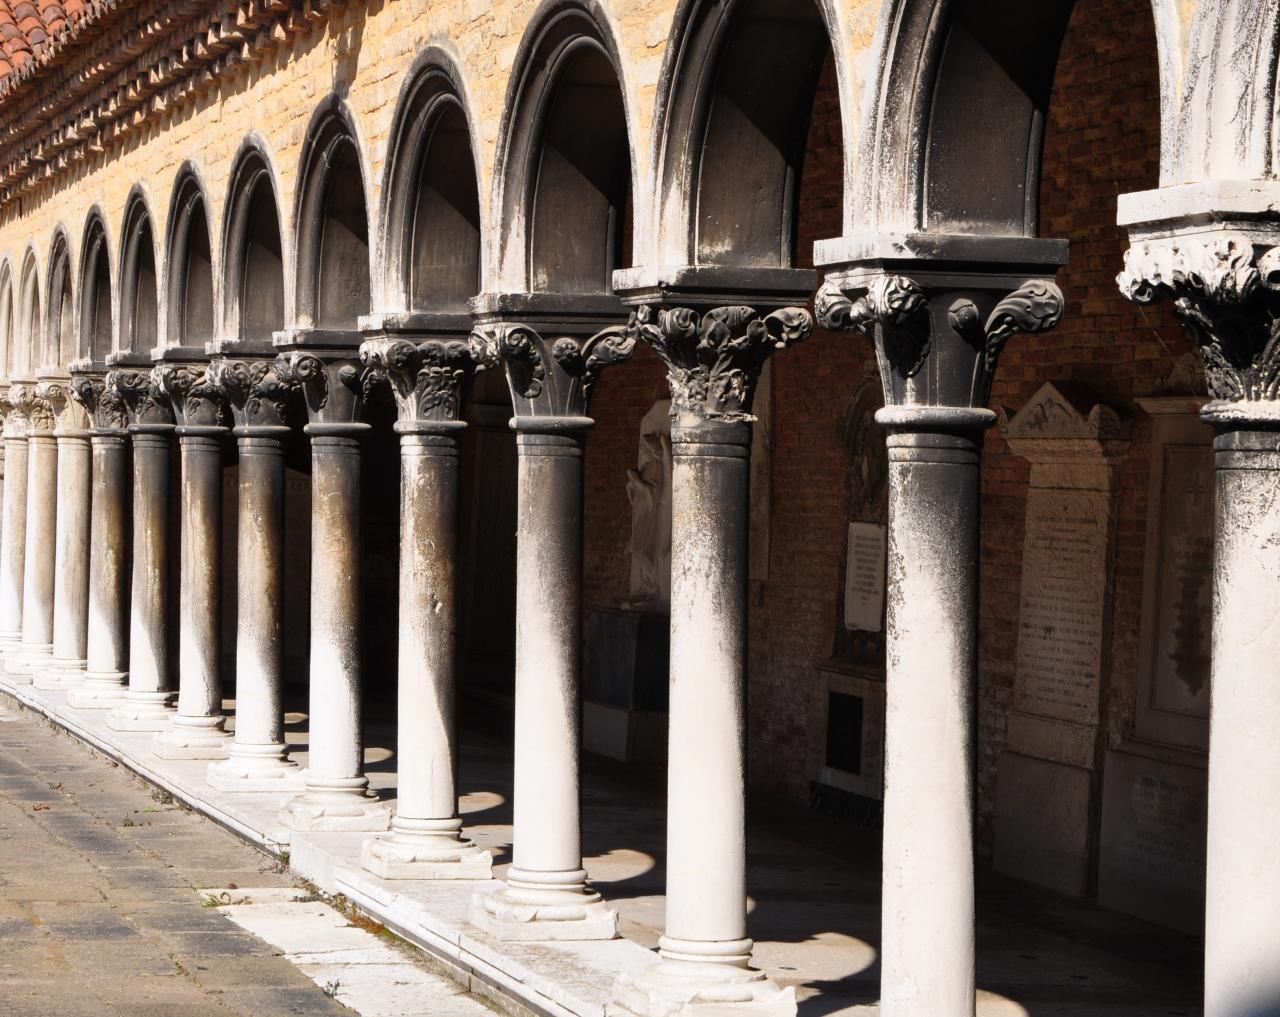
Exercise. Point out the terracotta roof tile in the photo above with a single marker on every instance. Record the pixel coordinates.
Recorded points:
(30, 29)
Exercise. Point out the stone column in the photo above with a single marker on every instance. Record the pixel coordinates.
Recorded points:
(337, 795)
(195, 729)
(36, 645)
(713, 362)
(426, 841)
(147, 704)
(546, 895)
(938, 330)
(1225, 286)
(107, 649)
(257, 759)
(65, 668)
(13, 533)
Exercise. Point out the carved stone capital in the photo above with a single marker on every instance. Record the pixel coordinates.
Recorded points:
(68, 415)
(104, 406)
(937, 344)
(191, 392)
(250, 387)
(550, 377)
(426, 378)
(143, 402)
(333, 386)
(1226, 293)
(714, 358)
(20, 399)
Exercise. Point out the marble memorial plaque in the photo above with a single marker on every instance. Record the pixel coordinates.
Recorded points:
(865, 577)
(1152, 855)
(1061, 621)
(1184, 584)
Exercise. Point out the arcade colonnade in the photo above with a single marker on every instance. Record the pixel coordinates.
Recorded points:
(940, 267)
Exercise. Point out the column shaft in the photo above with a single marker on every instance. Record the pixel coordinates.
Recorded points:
(257, 760)
(927, 930)
(13, 541)
(706, 832)
(1242, 933)
(38, 562)
(197, 730)
(546, 895)
(150, 687)
(337, 795)
(108, 634)
(71, 562)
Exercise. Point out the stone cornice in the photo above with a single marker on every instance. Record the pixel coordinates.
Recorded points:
(127, 66)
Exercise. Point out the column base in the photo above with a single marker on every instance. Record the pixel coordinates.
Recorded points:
(544, 906)
(142, 711)
(425, 849)
(101, 690)
(193, 738)
(24, 661)
(59, 675)
(705, 987)
(255, 768)
(337, 807)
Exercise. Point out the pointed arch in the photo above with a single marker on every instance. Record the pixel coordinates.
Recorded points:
(731, 125)
(29, 323)
(139, 279)
(255, 259)
(6, 319)
(190, 287)
(432, 231)
(60, 318)
(95, 339)
(564, 180)
(333, 280)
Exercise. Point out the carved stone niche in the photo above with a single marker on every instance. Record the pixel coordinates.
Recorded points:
(1155, 781)
(1048, 776)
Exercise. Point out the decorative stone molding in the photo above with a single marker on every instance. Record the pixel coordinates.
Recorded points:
(191, 391)
(426, 378)
(333, 386)
(105, 407)
(68, 414)
(550, 377)
(144, 404)
(18, 418)
(913, 321)
(1226, 292)
(714, 358)
(257, 397)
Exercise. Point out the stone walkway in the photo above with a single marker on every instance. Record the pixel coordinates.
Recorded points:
(100, 912)
(813, 887)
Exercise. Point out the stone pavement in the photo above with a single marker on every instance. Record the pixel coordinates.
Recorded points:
(100, 912)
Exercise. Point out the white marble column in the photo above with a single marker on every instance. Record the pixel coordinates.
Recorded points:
(13, 533)
(107, 652)
(546, 895)
(65, 669)
(426, 839)
(938, 325)
(704, 963)
(337, 794)
(257, 759)
(148, 702)
(36, 645)
(1224, 282)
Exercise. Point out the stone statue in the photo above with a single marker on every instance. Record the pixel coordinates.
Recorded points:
(649, 491)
